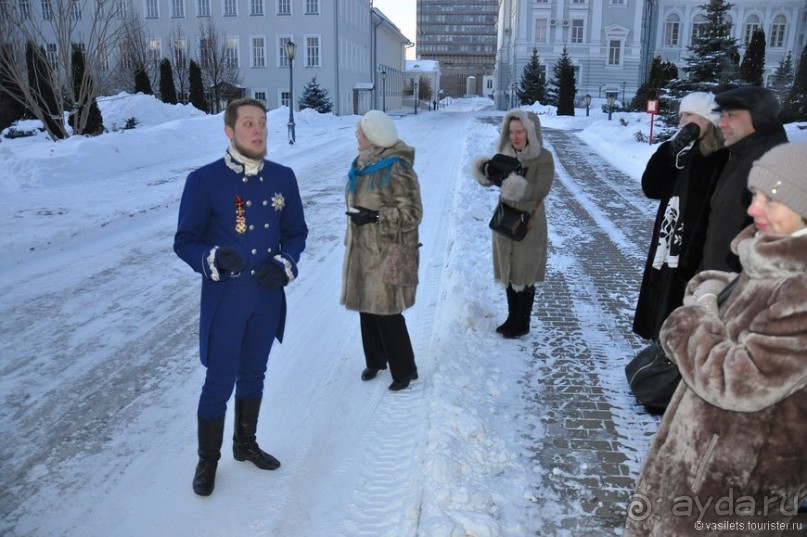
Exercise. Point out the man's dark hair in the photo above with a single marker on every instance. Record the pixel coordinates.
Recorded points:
(231, 113)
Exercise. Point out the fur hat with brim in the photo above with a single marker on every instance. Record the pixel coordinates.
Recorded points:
(781, 174)
(379, 129)
(702, 104)
(760, 102)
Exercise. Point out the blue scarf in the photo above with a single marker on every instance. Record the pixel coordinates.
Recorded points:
(377, 182)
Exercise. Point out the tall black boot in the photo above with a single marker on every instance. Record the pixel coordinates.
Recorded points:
(210, 435)
(524, 302)
(511, 310)
(245, 448)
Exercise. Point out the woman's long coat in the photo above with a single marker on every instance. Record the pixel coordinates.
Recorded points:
(394, 192)
(734, 433)
(682, 217)
(523, 263)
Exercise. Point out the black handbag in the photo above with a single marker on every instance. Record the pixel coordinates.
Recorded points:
(652, 377)
(511, 222)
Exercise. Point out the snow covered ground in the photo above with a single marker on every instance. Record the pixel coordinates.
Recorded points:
(99, 374)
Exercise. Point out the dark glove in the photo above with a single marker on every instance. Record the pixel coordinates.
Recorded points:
(499, 167)
(362, 215)
(228, 260)
(271, 275)
(684, 137)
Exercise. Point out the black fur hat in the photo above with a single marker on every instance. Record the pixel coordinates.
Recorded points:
(760, 102)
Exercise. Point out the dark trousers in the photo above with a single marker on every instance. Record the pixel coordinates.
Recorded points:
(386, 341)
(240, 341)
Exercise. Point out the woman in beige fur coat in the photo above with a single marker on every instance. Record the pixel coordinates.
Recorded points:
(730, 456)
(523, 169)
(383, 201)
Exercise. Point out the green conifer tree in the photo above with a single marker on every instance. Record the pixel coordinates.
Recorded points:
(197, 87)
(316, 97)
(715, 55)
(82, 90)
(781, 80)
(533, 82)
(565, 84)
(168, 92)
(795, 107)
(660, 75)
(753, 64)
(142, 82)
(40, 78)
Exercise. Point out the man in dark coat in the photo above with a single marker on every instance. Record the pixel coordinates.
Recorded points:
(750, 128)
(241, 226)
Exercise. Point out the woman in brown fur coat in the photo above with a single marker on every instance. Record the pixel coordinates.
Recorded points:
(523, 169)
(384, 206)
(730, 456)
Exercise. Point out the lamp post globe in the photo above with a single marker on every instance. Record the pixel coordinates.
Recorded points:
(291, 52)
(587, 100)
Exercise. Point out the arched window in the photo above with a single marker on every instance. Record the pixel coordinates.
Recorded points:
(699, 25)
(672, 30)
(752, 24)
(778, 30)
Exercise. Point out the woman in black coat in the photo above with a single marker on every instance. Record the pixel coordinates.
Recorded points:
(681, 174)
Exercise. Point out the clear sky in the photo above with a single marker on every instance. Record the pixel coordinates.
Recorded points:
(403, 14)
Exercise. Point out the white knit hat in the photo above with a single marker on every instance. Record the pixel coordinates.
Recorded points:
(702, 104)
(379, 129)
(781, 174)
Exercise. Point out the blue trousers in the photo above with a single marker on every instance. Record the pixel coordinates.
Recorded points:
(241, 338)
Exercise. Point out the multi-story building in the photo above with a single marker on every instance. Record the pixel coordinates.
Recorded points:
(461, 36)
(612, 42)
(355, 52)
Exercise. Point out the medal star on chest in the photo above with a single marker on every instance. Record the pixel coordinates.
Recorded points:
(278, 201)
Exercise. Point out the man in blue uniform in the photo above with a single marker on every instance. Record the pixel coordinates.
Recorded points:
(241, 226)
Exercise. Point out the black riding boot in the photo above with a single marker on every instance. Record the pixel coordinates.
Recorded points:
(521, 325)
(245, 448)
(511, 310)
(210, 435)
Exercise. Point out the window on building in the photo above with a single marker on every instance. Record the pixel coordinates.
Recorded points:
(614, 52)
(52, 55)
(230, 8)
(152, 9)
(312, 7)
(577, 31)
(283, 59)
(120, 9)
(698, 27)
(204, 53)
(76, 10)
(578, 1)
(256, 8)
(103, 56)
(672, 31)
(25, 9)
(283, 7)
(178, 9)
(618, 2)
(202, 8)
(258, 52)
(752, 24)
(154, 50)
(259, 95)
(778, 30)
(231, 52)
(541, 31)
(312, 58)
(285, 98)
(99, 8)
(47, 10)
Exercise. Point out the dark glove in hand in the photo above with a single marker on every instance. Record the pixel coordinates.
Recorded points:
(499, 167)
(229, 260)
(687, 134)
(271, 275)
(363, 216)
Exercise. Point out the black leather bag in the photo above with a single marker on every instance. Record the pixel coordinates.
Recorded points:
(652, 378)
(510, 222)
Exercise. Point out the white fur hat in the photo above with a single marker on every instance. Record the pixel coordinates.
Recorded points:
(702, 104)
(379, 129)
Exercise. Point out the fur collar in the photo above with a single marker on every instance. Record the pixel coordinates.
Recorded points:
(771, 256)
(533, 126)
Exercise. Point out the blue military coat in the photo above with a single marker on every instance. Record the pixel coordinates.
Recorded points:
(260, 216)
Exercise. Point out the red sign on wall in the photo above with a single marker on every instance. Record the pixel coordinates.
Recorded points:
(652, 106)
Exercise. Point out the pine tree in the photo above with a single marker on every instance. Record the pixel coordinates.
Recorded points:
(11, 96)
(795, 107)
(565, 84)
(39, 77)
(660, 75)
(142, 82)
(753, 64)
(316, 97)
(197, 87)
(715, 54)
(82, 89)
(168, 92)
(781, 80)
(533, 82)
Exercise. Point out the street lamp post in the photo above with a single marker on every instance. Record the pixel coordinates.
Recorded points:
(291, 52)
(587, 100)
(416, 85)
(623, 93)
(611, 99)
(384, 90)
